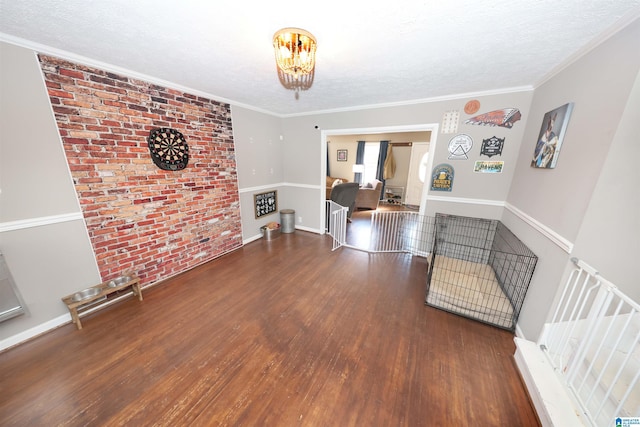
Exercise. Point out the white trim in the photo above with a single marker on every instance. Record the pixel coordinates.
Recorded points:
(48, 326)
(310, 186)
(484, 202)
(40, 221)
(297, 227)
(251, 239)
(258, 188)
(48, 50)
(556, 238)
(526, 88)
(380, 129)
(280, 184)
(560, 241)
(518, 332)
(626, 20)
(34, 332)
(309, 229)
(553, 404)
(79, 59)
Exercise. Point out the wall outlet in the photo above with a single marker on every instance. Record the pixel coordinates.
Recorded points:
(299, 219)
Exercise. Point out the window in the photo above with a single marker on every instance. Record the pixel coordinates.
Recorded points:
(371, 153)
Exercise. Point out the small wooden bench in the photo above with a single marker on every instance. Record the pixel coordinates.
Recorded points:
(81, 301)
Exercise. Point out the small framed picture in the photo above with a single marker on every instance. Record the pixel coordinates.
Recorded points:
(342, 155)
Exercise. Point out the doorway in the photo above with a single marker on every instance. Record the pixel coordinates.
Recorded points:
(423, 134)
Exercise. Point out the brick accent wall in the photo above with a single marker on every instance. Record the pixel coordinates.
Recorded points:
(139, 217)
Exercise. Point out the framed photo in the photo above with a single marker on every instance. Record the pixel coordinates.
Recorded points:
(342, 155)
(554, 126)
(265, 203)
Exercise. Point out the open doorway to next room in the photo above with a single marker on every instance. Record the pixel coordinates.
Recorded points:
(363, 156)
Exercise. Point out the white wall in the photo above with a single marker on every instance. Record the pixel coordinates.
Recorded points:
(556, 201)
(259, 158)
(609, 237)
(304, 141)
(42, 233)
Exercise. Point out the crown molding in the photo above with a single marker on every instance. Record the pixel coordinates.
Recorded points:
(622, 23)
(79, 59)
(503, 91)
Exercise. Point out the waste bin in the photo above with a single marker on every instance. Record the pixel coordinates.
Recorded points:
(288, 220)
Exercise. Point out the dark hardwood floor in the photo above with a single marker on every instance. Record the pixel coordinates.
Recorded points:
(278, 333)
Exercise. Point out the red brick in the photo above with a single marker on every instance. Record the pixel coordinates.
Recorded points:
(124, 197)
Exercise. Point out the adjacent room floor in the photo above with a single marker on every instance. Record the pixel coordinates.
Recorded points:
(277, 333)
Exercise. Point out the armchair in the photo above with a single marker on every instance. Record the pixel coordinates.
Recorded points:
(368, 196)
(345, 195)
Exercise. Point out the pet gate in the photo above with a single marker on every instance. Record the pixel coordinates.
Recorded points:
(479, 269)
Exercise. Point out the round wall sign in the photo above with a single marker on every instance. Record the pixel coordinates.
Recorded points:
(472, 106)
(169, 149)
(459, 146)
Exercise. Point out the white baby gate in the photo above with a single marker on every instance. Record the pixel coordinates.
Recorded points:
(401, 231)
(336, 223)
(593, 343)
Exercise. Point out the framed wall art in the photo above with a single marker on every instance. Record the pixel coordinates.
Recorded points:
(552, 131)
(342, 155)
(265, 203)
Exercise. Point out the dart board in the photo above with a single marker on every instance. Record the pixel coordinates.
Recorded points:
(169, 149)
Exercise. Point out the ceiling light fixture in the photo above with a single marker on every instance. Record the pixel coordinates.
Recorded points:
(295, 52)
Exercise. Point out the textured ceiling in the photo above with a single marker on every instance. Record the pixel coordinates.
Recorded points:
(368, 53)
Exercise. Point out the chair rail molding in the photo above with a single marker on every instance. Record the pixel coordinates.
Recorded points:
(39, 221)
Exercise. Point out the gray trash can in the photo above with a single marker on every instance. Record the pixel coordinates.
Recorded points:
(288, 220)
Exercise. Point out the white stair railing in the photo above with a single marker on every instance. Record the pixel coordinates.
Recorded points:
(593, 343)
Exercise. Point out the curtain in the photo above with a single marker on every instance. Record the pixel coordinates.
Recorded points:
(389, 164)
(357, 177)
(382, 158)
(328, 173)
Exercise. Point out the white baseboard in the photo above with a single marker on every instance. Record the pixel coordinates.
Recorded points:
(551, 399)
(34, 332)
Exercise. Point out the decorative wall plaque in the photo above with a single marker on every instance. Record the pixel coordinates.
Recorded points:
(459, 146)
(492, 146)
(450, 121)
(442, 177)
(472, 106)
(504, 118)
(488, 166)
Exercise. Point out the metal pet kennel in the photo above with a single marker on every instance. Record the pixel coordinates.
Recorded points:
(478, 269)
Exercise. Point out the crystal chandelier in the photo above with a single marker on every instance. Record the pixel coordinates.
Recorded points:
(295, 51)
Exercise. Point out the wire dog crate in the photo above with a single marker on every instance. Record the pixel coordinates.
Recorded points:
(478, 269)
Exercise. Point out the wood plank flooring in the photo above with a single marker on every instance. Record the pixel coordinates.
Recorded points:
(279, 333)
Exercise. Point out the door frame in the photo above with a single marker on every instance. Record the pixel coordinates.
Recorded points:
(411, 165)
(427, 127)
